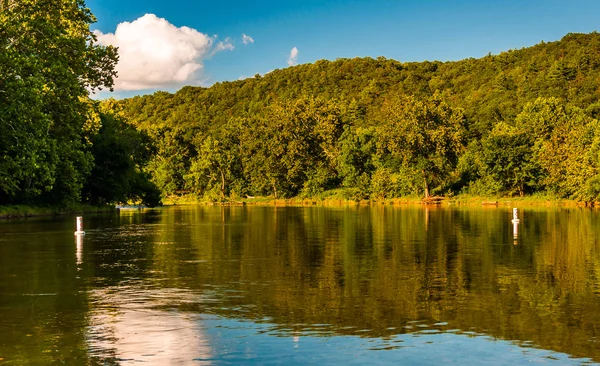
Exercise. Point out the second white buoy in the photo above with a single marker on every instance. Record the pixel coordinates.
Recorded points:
(79, 226)
(515, 216)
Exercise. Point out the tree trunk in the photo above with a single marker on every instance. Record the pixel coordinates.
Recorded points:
(222, 184)
(521, 190)
(426, 184)
(274, 188)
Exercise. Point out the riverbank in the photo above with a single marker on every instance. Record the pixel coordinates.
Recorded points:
(460, 200)
(16, 211)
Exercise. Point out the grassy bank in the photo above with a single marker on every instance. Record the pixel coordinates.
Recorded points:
(525, 201)
(326, 199)
(14, 211)
(338, 200)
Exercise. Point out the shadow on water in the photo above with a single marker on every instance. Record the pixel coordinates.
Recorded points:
(301, 285)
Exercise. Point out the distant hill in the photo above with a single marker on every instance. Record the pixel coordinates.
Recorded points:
(490, 89)
(517, 123)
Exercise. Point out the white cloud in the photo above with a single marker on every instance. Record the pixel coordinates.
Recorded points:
(247, 39)
(293, 59)
(154, 53)
(222, 46)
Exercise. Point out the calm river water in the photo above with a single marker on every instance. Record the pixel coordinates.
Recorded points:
(205, 285)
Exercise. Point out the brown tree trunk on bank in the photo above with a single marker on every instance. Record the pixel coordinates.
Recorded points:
(274, 189)
(426, 184)
(222, 184)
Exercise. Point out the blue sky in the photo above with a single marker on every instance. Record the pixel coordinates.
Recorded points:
(326, 29)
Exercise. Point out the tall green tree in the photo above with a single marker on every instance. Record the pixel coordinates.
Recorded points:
(120, 152)
(357, 150)
(425, 135)
(510, 160)
(172, 160)
(49, 62)
(216, 166)
(294, 146)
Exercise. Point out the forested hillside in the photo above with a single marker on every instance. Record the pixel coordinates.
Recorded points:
(522, 122)
(517, 123)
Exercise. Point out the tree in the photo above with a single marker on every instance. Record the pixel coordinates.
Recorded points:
(172, 160)
(294, 146)
(426, 135)
(357, 149)
(508, 154)
(215, 165)
(49, 61)
(120, 152)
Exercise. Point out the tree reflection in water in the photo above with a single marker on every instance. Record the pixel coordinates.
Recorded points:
(373, 270)
(284, 284)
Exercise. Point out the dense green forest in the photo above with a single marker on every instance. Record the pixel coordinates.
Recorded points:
(519, 123)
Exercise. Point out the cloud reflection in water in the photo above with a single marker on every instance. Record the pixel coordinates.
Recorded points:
(131, 326)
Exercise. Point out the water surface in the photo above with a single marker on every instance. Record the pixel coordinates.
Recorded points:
(289, 285)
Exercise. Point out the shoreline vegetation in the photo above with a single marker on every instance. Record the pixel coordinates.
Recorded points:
(22, 211)
(460, 200)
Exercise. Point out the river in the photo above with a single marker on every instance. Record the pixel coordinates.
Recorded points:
(205, 285)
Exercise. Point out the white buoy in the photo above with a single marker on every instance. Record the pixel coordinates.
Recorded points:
(515, 215)
(79, 226)
(515, 221)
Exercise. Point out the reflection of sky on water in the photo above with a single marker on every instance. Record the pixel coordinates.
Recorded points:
(130, 326)
(238, 342)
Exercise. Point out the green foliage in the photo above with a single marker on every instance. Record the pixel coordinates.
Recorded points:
(593, 187)
(357, 149)
(508, 155)
(49, 60)
(567, 144)
(294, 146)
(172, 160)
(215, 166)
(384, 184)
(120, 152)
(426, 136)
